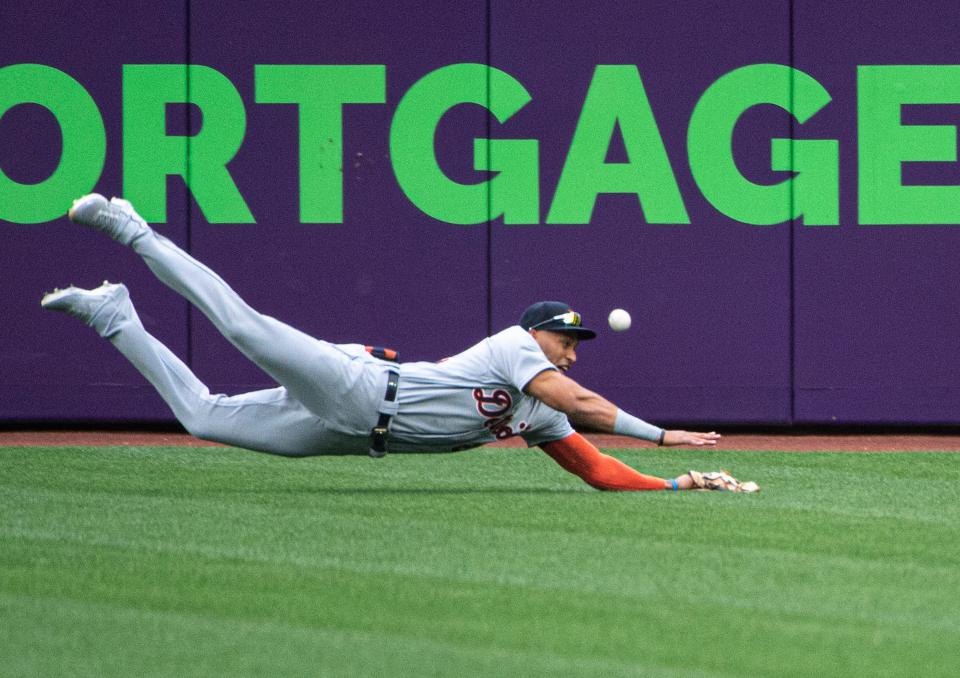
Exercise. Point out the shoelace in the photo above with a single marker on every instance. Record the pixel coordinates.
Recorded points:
(109, 217)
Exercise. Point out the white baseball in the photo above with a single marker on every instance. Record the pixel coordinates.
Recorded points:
(619, 320)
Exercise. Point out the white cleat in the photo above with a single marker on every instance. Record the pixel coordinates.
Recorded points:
(104, 308)
(116, 218)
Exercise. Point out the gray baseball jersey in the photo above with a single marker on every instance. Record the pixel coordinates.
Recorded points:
(475, 397)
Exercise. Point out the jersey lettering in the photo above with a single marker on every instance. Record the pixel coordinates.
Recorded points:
(500, 428)
(495, 408)
(492, 405)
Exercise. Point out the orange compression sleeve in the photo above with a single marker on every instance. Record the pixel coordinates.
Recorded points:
(578, 455)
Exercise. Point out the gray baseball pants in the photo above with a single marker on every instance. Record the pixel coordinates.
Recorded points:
(329, 394)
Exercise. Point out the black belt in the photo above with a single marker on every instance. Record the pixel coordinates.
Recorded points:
(378, 436)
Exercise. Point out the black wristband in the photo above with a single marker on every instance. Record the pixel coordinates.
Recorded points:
(663, 432)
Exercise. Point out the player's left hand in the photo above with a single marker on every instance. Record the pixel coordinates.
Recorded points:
(690, 438)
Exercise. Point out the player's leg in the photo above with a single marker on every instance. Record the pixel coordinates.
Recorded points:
(315, 372)
(266, 421)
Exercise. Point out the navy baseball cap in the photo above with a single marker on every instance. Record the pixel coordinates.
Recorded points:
(555, 316)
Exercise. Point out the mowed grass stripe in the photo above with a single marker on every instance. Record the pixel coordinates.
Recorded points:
(299, 650)
(366, 545)
(453, 612)
(496, 553)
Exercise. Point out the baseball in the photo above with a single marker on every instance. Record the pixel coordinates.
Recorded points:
(619, 320)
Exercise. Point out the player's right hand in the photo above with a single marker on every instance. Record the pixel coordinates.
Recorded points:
(671, 438)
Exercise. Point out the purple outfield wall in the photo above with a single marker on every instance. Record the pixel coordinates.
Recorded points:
(734, 323)
(52, 368)
(876, 326)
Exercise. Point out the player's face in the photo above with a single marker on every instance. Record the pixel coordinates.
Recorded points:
(559, 347)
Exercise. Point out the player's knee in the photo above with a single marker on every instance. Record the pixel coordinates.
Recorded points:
(195, 428)
(199, 426)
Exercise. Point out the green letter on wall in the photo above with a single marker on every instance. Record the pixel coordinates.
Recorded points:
(616, 95)
(513, 193)
(84, 142)
(813, 193)
(321, 92)
(150, 155)
(885, 144)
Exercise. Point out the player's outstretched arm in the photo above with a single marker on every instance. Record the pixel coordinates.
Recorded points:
(585, 408)
(580, 457)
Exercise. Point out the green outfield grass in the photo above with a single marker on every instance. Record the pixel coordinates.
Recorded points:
(126, 561)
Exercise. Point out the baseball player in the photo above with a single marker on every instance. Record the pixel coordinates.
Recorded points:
(352, 399)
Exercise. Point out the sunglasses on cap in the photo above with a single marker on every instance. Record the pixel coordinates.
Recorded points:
(569, 319)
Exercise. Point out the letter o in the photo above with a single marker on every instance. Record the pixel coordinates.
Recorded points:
(84, 142)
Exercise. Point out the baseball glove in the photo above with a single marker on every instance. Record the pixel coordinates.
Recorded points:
(722, 481)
